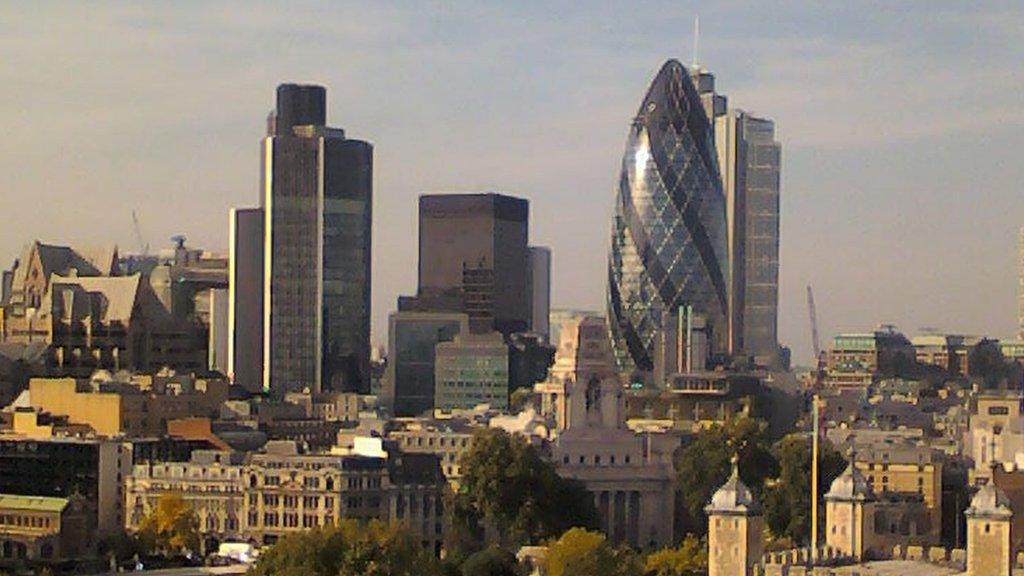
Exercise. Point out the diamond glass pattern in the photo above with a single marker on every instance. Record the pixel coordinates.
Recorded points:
(668, 232)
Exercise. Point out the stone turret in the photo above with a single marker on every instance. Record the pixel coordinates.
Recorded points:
(735, 529)
(989, 548)
(849, 513)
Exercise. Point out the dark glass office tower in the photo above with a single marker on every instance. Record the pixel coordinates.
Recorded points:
(668, 250)
(245, 295)
(317, 200)
(474, 257)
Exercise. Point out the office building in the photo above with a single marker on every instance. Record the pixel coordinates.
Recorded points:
(138, 407)
(245, 295)
(217, 341)
(855, 360)
(540, 290)
(474, 258)
(669, 234)
(749, 160)
(317, 205)
(409, 382)
(471, 370)
(64, 467)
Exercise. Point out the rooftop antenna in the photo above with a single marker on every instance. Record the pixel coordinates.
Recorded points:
(696, 38)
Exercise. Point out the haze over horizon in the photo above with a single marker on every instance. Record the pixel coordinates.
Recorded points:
(900, 128)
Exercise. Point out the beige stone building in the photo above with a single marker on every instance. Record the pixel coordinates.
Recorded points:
(632, 486)
(908, 475)
(735, 529)
(995, 433)
(447, 439)
(263, 496)
(41, 528)
(286, 491)
(989, 550)
(211, 483)
(92, 315)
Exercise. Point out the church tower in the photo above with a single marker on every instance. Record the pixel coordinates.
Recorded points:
(989, 551)
(735, 529)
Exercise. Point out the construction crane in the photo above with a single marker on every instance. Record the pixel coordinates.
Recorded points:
(143, 245)
(819, 359)
(815, 343)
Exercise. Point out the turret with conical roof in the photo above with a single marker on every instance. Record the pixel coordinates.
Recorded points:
(735, 528)
(850, 486)
(989, 551)
(849, 512)
(733, 497)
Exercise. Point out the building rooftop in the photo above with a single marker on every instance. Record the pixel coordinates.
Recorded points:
(32, 503)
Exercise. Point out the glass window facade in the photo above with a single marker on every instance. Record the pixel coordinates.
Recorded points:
(318, 208)
(668, 246)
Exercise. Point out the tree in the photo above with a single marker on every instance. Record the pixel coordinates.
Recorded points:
(171, 527)
(986, 361)
(492, 561)
(583, 553)
(787, 501)
(689, 559)
(121, 546)
(704, 465)
(506, 486)
(350, 548)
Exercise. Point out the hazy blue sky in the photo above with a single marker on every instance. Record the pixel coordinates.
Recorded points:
(902, 125)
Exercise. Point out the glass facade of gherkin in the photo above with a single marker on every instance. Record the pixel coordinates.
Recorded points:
(668, 246)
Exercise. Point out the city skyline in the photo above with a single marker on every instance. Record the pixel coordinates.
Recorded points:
(910, 138)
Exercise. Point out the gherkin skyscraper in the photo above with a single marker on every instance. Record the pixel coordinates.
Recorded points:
(668, 250)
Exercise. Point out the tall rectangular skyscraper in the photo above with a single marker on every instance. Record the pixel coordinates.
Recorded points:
(474, 257)
(540, 290)
(245, 298)
(317, 203)
(750, 161)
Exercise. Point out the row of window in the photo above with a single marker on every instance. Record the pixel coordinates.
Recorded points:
(24, 521)
(596, 460)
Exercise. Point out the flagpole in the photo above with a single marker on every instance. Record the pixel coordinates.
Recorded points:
(814, 482)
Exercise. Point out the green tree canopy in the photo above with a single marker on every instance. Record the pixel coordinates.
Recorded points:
(583, 553)
(172, 526)
(704, 465)
(689, 559)
(492, 561)
(507, 486)
(787, 501)
(351, 548)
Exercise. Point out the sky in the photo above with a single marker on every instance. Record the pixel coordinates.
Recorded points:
(901, 123)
